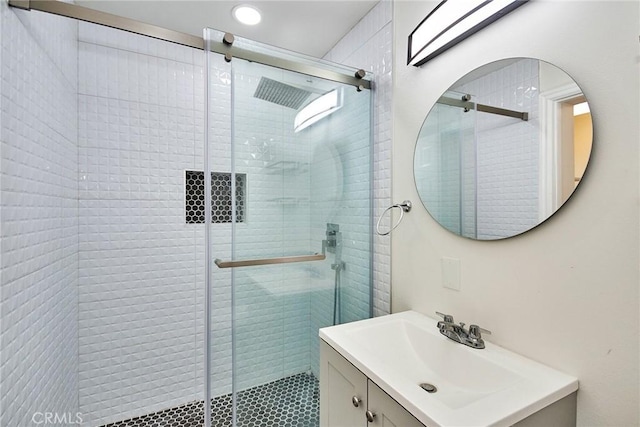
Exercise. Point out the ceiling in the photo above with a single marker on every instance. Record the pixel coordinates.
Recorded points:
(311, 27)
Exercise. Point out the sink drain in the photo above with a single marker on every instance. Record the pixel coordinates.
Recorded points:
(429, 388)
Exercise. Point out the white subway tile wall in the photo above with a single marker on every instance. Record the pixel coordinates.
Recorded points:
(140, 129)
(301, 181)
(444, 166)
(507, 150)
(272, 303)
(342, 144)
(369, 46)
(39, 221)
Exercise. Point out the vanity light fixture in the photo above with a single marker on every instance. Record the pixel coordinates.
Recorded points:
(451, 22)
(317, 109)
(246, 14)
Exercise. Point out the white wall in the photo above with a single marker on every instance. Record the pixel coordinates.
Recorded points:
(39, 227)
(565, 293)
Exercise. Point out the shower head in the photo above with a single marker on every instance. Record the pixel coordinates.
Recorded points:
(280, 93)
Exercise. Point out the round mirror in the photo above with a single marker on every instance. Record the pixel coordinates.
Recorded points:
(503, 149)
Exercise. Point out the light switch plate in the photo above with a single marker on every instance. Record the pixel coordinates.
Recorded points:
(451, 273)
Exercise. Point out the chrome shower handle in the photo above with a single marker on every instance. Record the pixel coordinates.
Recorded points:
(268, 261)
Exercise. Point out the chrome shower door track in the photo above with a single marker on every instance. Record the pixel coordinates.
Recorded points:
(86, 14)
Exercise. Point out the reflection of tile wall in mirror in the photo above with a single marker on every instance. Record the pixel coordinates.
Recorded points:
(516, 162)
(507, 150)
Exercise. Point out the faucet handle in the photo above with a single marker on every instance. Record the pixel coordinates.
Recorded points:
(477, 331)
(446, 317)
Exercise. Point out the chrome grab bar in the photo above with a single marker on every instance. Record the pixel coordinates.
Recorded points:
(269, 261)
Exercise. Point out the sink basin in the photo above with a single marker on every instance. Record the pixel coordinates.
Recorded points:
(487, 387)
(461, 376)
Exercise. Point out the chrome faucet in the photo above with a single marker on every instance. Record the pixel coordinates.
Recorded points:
(471, 337)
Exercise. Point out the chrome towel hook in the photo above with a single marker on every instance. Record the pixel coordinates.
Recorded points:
(404, 207)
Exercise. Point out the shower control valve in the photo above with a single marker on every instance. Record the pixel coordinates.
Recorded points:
(333, 230)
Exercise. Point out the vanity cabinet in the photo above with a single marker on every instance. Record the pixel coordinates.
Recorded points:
(376, 366)
(349, 399)
(387, 412)
(343, 391)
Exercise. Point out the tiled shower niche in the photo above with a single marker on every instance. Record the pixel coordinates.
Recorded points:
(221, 207)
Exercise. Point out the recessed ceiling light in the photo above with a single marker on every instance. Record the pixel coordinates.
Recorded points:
(246, 14)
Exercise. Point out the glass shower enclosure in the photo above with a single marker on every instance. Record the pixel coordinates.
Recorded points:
(289, 238)
(139, 203)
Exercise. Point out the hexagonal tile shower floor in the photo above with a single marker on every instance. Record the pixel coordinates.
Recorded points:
(288, 402)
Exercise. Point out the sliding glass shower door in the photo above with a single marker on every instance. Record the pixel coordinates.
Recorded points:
(290, 238)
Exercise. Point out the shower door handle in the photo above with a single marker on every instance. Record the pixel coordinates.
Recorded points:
(269, 261)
